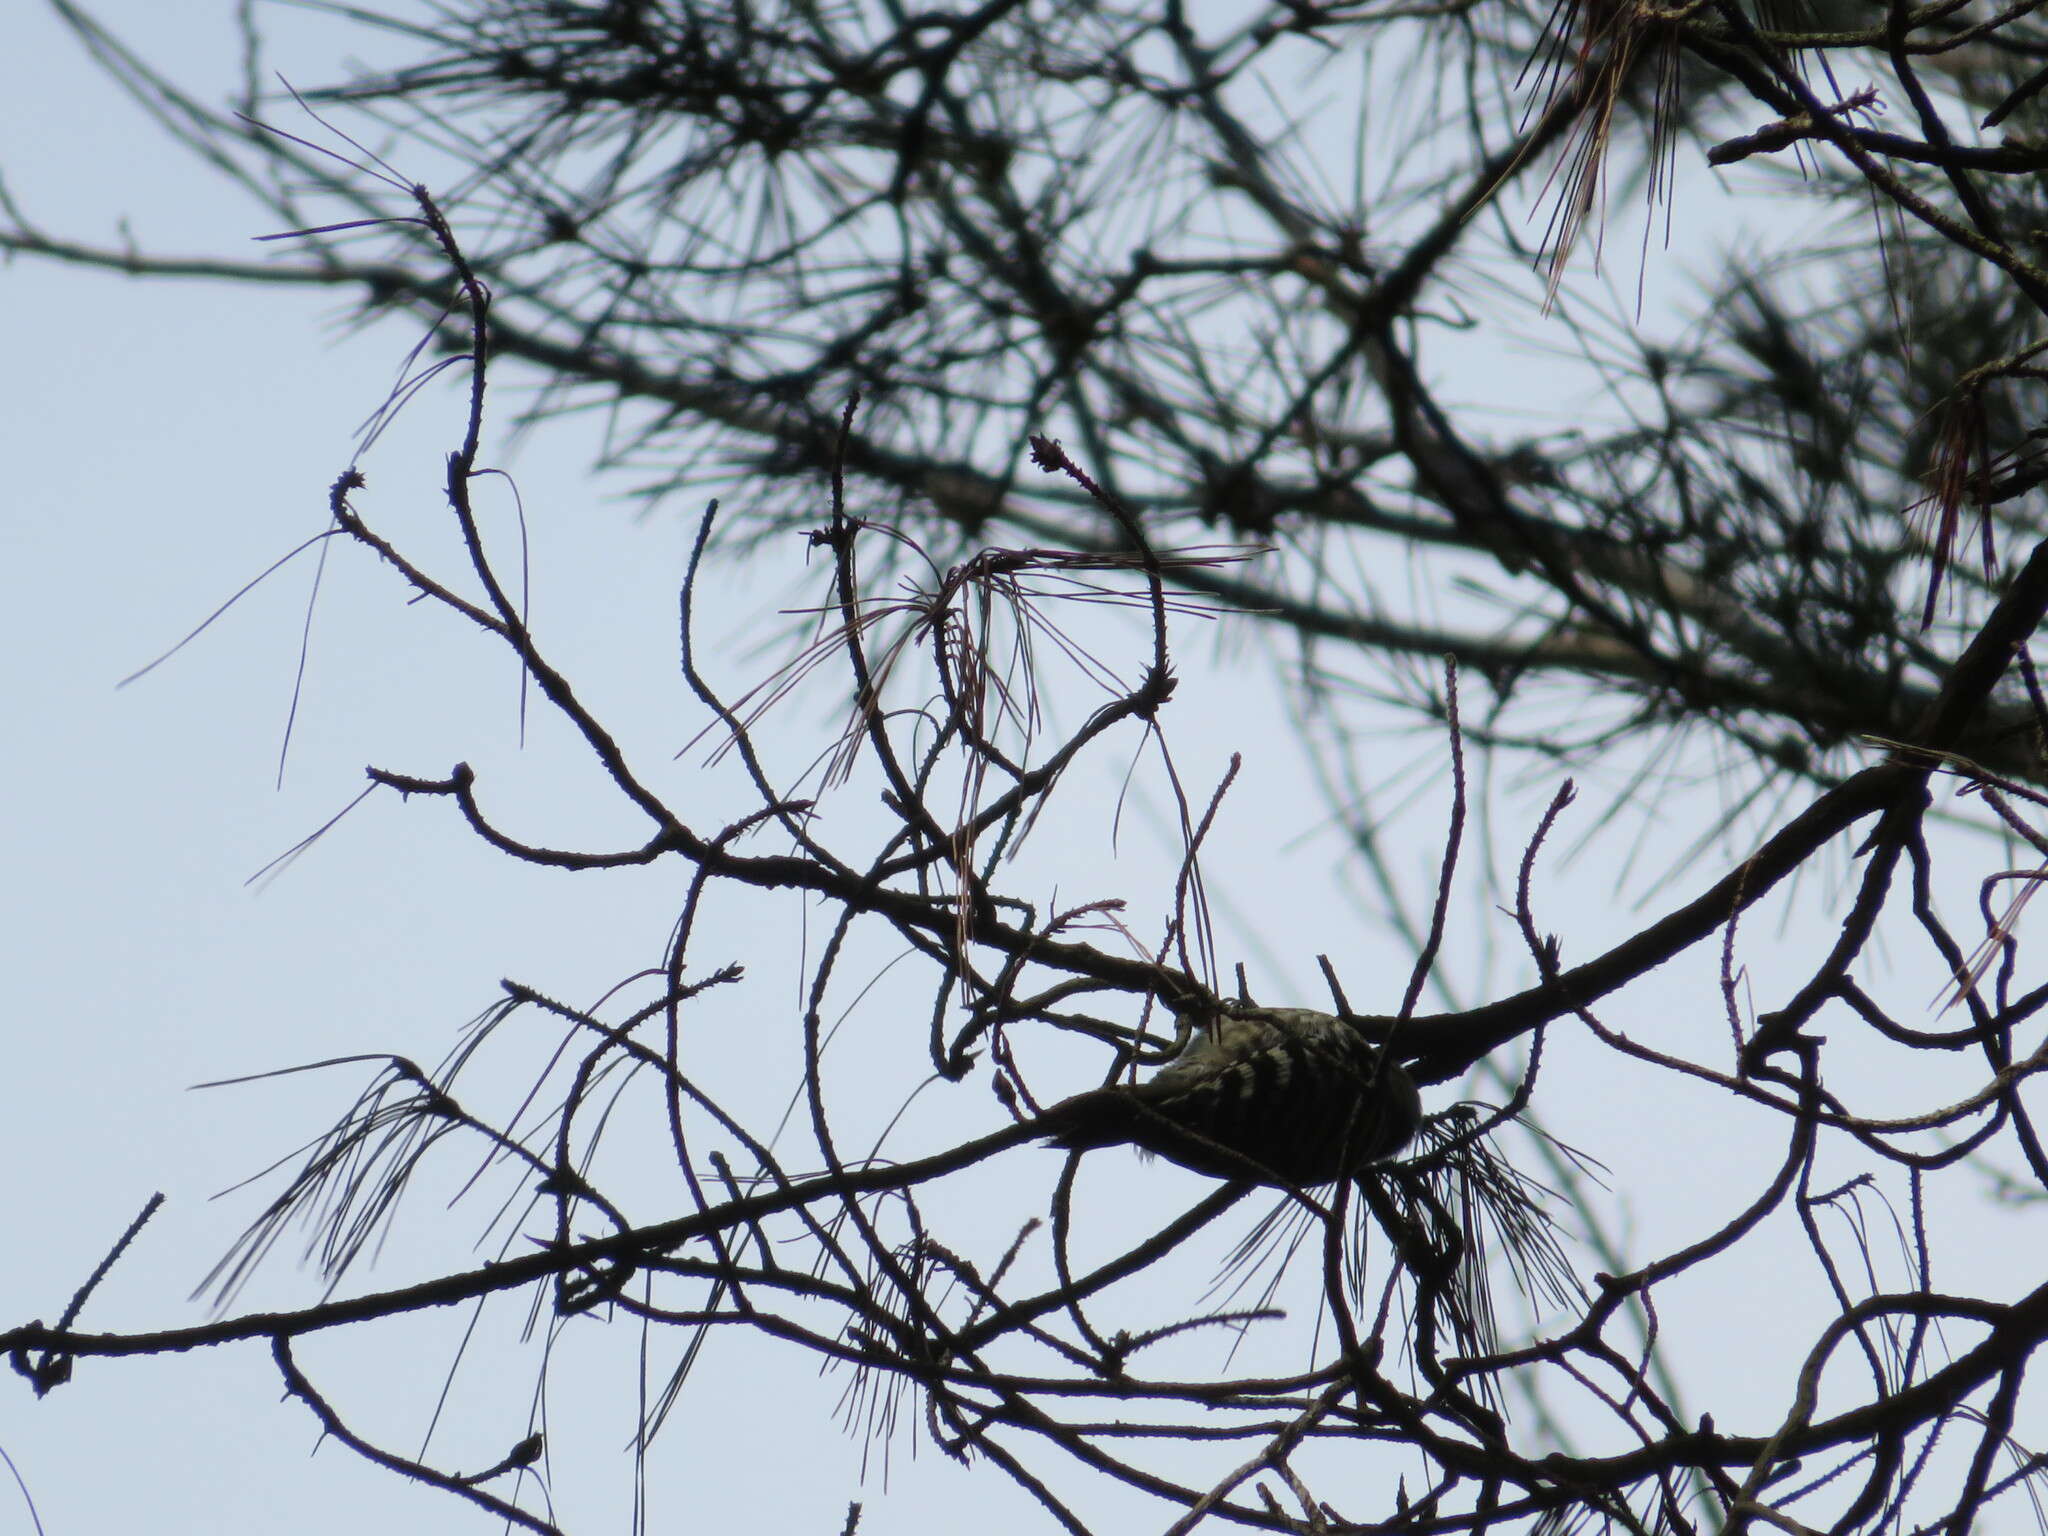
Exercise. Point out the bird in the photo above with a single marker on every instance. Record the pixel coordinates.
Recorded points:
(1288, 1097)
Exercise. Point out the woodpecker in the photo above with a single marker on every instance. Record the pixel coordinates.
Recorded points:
(1280, 1096)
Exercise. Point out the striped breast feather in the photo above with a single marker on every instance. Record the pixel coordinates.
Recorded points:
(1284, 1096)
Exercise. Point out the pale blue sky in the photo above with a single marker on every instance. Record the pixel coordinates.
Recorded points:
(166, 441)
